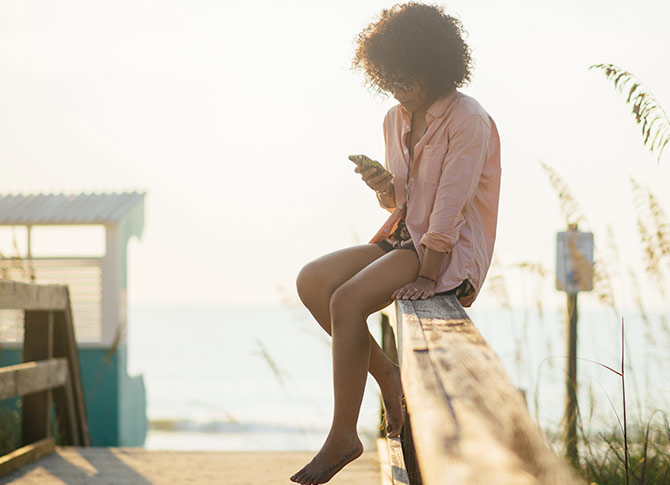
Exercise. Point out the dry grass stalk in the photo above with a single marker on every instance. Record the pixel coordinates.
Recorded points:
(497, 286)
(654, 232)
(533, 268)
(11, 265)
(665, 325)
(278, 373)
(568, 203)
(602, 285)
(613, 257)
(662, 232)
(538, 273)
(4, 270)
(647, 110)
(637, 299)
(602, 278)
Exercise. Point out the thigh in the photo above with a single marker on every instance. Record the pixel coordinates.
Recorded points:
(370, 289)
(331, 270)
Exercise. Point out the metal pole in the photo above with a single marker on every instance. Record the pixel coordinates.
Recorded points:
(571, 384)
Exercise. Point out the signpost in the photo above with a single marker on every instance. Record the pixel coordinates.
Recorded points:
(574, 273)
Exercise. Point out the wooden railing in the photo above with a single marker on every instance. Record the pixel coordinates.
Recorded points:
(467, 423)
(49, 376)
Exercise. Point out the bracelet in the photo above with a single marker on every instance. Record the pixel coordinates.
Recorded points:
(426, 277)
(387, 190)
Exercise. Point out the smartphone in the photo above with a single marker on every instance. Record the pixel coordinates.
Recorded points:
(364, 162)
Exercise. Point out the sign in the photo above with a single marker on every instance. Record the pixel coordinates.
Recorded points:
(574, 261)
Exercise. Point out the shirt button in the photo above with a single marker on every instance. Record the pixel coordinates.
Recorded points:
(400, 206)
(406, 151)
(411, 179)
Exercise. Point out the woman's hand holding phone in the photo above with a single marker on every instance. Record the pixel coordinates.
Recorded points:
(372, 172)
(376, 181)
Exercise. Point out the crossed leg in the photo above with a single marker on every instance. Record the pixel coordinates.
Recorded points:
(341, 289)
(316, 284)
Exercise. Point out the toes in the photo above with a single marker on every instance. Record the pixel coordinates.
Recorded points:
(297, 477)
(393, 429)
(310, 480)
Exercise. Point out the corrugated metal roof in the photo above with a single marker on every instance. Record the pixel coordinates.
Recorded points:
(66, 209)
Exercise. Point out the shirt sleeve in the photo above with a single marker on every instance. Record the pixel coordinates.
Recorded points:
(461, 171)
(386, 162)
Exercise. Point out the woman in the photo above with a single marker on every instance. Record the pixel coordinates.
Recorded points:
(444, 153)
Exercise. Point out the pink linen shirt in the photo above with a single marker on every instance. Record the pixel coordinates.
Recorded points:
(454, 186)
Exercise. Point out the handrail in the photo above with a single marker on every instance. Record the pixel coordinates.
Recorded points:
(83, 278)
(467, 421)
(50, 372)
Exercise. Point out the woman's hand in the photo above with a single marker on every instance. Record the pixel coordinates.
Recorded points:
(420, 289)
(377, 182)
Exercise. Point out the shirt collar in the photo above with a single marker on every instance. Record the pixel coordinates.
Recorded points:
(436, 110)
(440, 105)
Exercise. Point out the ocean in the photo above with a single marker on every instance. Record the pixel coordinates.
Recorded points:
(248, 378)
(260, 378)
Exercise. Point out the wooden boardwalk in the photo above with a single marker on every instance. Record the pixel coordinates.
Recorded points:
(74, 466)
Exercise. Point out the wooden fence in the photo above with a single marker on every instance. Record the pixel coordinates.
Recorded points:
(467, 423)
(49, 378)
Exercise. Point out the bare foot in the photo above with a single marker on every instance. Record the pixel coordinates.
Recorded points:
(332, 457)
(392, 395)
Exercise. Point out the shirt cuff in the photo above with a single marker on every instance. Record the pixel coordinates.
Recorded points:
(382, 205)
(437, 242)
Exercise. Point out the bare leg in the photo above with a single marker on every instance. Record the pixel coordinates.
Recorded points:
(365, 292)
(316, 284)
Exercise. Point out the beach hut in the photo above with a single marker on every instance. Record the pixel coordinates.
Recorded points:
(116, 402)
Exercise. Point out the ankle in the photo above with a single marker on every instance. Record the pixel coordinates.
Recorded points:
(342, 435)
(389, 376)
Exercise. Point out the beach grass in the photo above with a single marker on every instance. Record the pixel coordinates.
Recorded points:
(10, 427)
(625, 453)
(603, 461)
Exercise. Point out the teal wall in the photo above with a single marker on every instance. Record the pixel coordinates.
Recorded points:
(115, 402)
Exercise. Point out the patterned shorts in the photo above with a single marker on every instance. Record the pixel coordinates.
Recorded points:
(388, 245)
(401, 239)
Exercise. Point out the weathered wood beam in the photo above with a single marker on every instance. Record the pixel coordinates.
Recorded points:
(70, 404)
(37, 345)
(392, 462)
(26, 296)
(49, 331)
(26, 454)
(29, 377)
(469, 423)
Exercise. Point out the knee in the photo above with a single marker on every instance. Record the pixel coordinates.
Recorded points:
(344, 303)
(308, 280)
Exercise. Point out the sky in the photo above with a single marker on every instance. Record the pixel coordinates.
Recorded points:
(236, 119)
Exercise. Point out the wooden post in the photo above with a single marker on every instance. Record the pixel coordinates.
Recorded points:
(390, 348)
(69, 401)
(570, 431)
(409, 452)
(37, 345)
(574, 273)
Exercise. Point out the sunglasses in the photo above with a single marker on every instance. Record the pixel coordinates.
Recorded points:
(401, 85)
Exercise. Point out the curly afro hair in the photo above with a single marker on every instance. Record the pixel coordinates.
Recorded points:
(419, 40)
